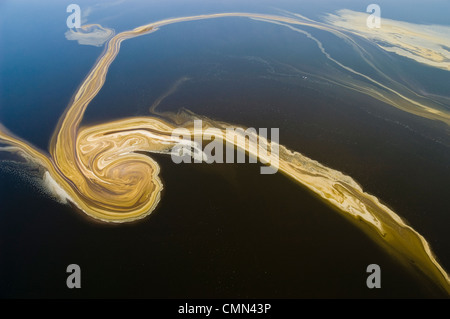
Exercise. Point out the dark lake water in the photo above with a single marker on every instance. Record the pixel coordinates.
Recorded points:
(220, 230)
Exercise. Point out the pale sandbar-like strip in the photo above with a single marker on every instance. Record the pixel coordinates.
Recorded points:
(90, 34)
(99, 168)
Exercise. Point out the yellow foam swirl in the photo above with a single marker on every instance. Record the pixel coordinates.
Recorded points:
(103, 172)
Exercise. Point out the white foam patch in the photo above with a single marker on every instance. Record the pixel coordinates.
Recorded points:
(55, 189)
(27, 174)
(93, 34)
(31, 174)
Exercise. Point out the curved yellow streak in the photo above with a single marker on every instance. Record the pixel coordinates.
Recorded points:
(102, 170)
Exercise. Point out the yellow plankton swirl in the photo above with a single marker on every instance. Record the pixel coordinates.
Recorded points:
(103, 171)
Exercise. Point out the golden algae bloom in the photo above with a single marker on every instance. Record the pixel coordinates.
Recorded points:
(102, 169)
